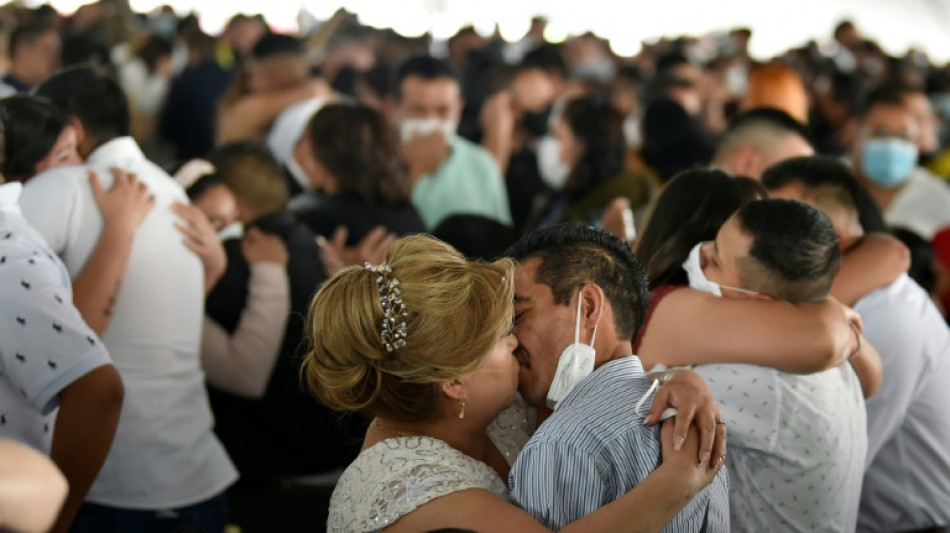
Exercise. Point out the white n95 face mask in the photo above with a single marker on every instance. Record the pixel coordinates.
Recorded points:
(554, 172)
(697, 278)
(575, 364)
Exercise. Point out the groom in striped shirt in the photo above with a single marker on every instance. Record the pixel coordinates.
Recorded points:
(578, 288)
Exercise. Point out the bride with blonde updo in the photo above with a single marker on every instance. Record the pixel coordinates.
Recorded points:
(422, 344)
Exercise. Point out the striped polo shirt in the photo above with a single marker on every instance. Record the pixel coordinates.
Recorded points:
(594, 449)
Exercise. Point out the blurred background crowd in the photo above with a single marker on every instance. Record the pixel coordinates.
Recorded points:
(348, 135)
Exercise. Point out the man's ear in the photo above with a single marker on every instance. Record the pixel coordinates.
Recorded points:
(593, 303)
(81, 147)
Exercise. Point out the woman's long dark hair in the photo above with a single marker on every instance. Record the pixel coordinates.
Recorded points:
(691, 209)
(598, 126)
(361, 150)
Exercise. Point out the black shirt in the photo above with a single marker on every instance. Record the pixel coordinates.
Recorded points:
(287, 432)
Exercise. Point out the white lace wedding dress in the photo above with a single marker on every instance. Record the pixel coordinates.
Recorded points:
(396, 476)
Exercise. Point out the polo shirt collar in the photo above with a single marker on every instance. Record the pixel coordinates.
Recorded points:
(120, 148)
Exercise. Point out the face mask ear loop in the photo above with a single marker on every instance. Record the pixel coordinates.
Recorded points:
(577, 321)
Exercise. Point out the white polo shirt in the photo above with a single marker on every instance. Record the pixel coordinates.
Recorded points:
(797, 446)
(907, 481)
(44, 343)
(165, 454)
(922, 205)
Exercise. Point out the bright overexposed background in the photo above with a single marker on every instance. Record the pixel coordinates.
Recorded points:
(896, 25)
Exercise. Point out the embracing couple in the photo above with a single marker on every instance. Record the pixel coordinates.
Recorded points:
(429, 345)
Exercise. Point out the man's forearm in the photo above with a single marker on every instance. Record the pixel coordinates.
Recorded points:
(96, 288)
(85, 426)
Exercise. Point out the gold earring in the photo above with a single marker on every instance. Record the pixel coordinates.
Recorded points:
(461, 409)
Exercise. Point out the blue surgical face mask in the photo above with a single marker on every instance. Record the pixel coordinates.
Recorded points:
(888, 162)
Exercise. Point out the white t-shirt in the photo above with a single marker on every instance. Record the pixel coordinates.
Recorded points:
(922, 205)
(287, 131)
(165, 454)
(44, 343)
(907, 481)
(797, 446)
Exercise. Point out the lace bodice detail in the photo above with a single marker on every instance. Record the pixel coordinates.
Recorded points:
(396, 476)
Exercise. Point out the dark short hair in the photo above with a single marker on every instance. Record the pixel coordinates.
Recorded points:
(83, 49)
(817, 172)
(690, 210)
(276, 44)
(426, 67)
(546, 57)
(203, 185)
(889, 94)
(360, 148)
(668, 62)
(794, 254)
(573, 255)
(94, 98)
(28, 33)
(31, 125)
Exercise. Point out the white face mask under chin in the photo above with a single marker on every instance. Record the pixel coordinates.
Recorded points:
(698, 280)
(575, 364)
(553, 171)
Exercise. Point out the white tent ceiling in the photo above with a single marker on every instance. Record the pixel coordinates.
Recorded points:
(896, 25)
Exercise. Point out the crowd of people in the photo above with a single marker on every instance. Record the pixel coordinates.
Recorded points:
(267, 282)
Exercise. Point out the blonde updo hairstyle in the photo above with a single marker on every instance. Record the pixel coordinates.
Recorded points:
(457, 311)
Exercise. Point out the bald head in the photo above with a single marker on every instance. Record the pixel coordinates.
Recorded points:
(758, 139)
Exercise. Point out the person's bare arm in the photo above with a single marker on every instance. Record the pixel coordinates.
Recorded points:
(796, 338)
(242, 362)
(867, 364)
(875, 262)
(123, 208)
(696, 407)
(85, 425)
(32, 489)
(252, 114)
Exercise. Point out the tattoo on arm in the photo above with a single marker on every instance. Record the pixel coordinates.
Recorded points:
(110, 305)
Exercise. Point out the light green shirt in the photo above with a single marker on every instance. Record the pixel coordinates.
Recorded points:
(468, 182)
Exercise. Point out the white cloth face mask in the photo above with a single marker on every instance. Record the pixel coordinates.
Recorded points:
(553, 171)
(698, 280)
(575, 364)
(412, 127)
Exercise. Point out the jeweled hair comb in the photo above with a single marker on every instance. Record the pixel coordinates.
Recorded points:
(393, 329)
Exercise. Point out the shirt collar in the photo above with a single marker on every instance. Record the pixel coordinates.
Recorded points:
(10, 196)
(120, 148)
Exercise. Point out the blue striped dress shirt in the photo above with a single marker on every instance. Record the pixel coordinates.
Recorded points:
(594, 449)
